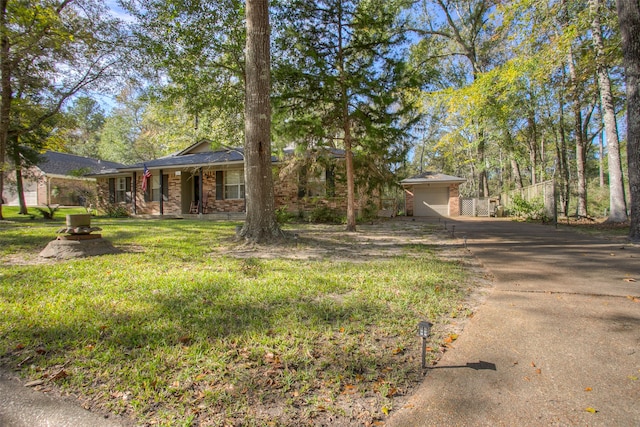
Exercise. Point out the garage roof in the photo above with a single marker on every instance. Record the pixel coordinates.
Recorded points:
(432, 177)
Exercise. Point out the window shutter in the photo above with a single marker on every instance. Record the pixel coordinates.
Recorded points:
(112, 190)
(127, 189)
(219, 185)
(165, 188)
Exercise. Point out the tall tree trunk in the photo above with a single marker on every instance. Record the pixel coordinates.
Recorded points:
(19, 182)
(261, 225)
(517, 177)
(581, 156)
(629, 18)
(483, 182)
(533, 148)
(346, 128)
(617, 201)
(6, 95)
(601, 160)
(561, 152)
(543, 160)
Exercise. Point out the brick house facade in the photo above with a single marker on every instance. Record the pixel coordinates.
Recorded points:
(199, 180)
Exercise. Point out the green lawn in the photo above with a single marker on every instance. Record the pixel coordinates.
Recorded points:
(175, 331)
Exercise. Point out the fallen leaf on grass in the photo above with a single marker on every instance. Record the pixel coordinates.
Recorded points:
(34, 383)
(271, 358)
(451, 338)
(59, 375)
(349, 389)
(398, 350)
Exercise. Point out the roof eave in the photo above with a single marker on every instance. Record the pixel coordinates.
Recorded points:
(182, 166)
(425, 181)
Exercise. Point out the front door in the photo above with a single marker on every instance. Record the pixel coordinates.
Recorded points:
(196, 188)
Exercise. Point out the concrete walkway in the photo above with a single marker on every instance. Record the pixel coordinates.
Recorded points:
(24, 407)
(558, 335)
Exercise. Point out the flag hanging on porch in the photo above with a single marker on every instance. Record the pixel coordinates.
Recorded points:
(145, 178)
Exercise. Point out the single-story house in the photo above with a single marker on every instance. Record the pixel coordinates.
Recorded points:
(432, 194)
(57, 179)
(200, 180)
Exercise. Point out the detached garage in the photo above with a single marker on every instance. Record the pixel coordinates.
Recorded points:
(432, 194)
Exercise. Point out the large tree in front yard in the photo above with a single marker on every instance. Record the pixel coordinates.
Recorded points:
(629, 17)
(261, 224)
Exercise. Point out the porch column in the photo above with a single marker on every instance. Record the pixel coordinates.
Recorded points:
(200, 191)
(161, 194)
(134, 194)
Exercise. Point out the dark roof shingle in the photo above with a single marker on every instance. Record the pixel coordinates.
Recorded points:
(56, 163)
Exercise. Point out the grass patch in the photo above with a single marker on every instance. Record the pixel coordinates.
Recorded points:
(175, 332)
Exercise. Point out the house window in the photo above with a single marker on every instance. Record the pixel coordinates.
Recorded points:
(120, 190)
(317, 183)
(234, 185)
(123, 190)
(153, 191)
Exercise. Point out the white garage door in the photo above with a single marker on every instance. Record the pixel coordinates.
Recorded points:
(431, 201)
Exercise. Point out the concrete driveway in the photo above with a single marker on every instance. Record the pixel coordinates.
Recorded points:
(558, 335)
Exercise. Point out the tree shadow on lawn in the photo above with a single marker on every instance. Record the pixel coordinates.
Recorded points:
(264, 354)
(14, 241)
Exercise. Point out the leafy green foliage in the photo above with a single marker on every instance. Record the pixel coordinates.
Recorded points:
(198, 49)
(528, 209)
(284, 216)
(49, 212)
(324, 214)
(339, 65)
(114, 210)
